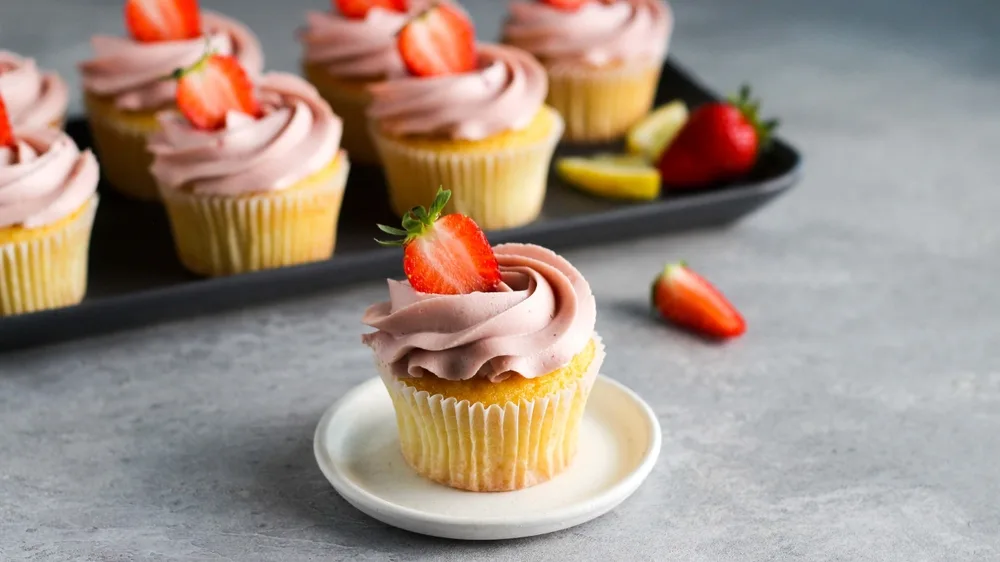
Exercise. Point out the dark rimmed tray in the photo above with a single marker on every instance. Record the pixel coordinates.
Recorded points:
(135, 278)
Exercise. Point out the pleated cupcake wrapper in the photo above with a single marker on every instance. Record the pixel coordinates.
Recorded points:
(218, 235)
(497, 187)
(351, 106)
(47, 271)
(602, 104)
(122, 152)
(490, 448)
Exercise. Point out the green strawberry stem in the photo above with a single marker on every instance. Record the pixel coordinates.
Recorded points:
(417, 220)
(750, 108)
(179, 73)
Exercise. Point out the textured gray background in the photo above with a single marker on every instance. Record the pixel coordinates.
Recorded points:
(858, 420)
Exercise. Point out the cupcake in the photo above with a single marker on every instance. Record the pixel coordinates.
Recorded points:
(468, 116)
(127, 81)
(603, 59)
(489, 359)
(348, 49)
(48, 197)
(34, 98)
(250, 179)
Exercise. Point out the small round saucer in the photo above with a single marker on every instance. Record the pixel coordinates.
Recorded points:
(357, 448)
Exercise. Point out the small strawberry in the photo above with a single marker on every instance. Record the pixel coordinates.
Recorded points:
(721, 141)
(358, 9)
(150, 21)
(686, 299)
(446, 255)
(6, 131)
(439, 41)
(211, 88)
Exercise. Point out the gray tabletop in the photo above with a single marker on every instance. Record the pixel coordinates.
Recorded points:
(859, 419)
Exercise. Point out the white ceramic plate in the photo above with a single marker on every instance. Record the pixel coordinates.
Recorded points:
(357, 448)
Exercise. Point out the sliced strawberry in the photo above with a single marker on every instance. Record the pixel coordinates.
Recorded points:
(685, 298)
(566, 5)
(358, 9)
(720, 141)
(150, 21)
(439, 41)
(6, 131)
(446, 255)
(213, 87)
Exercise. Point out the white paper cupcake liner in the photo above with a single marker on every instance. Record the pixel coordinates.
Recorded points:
(601, 104)
(491, 448)
(219, 235)
(496, 187)
(49, 270)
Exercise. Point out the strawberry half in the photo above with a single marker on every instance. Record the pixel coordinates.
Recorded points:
(150, 21)
(6, 131)
(358, 9)
(439, 41)
(211, 88)
(566, 5)
(687, 299)
(720, 141)
(446, 255)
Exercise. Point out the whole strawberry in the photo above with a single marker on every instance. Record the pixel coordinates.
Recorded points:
(721, 141)
(444, 255)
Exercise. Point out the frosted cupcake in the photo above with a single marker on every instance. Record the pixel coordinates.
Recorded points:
(490, 383)
(603, 58)
(348, 49)
(48, 197)
(468, 116)
(251, 179)
(127, 81)
(34, 98)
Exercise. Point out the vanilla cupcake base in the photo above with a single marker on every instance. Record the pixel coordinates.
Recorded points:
(220, 235)
(349, 100)
(498, 182)
(491, 448)
(120, 142)
(601, 104)
(46, 267)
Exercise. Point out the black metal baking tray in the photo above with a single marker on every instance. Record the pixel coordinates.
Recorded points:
(135, 278)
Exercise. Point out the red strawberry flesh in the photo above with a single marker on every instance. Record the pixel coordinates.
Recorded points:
(440, 41)
(445, 255)
(6, 131)
(358, 9)
(151, 21)
(567, 5)
(212, 88)
(687, 299)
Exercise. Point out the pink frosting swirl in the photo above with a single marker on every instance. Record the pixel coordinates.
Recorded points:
(505, 93)
(297, 136)
(44, 178)
(542, 317)
(353, 48)
(596, 34)
(33, 98)
(133, 72)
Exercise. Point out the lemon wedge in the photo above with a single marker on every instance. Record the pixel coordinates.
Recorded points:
(651, 136)
(618, 176)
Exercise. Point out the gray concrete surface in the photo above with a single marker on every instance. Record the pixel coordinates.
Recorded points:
(858, 420)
